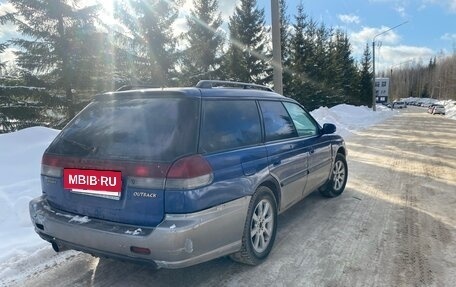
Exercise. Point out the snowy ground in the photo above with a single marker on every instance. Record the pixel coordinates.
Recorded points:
(22, 251)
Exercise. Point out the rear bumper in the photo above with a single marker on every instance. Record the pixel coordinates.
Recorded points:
(180, 240)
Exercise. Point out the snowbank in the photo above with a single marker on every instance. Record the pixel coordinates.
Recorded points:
(426, 101)
(350, 119)
(450, 109)
(20, 157)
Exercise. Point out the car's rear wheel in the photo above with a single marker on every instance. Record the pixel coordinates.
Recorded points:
(260, 228)
(336, 184)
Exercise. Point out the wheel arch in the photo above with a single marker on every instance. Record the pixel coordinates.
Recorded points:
(342, 151)
(273, 185)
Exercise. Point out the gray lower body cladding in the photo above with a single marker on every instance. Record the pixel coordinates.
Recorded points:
(180, 240)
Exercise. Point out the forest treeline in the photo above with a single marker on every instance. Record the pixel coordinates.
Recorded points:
(436, 79)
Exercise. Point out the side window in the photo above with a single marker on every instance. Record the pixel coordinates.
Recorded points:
(229, 125)
(277, 123)
(301, 119)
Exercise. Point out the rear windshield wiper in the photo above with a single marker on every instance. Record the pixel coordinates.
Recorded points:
(80, 145)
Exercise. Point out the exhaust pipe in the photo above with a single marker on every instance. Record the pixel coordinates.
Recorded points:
(57, 247)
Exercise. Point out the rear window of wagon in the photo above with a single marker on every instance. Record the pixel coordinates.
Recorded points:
(152, 129)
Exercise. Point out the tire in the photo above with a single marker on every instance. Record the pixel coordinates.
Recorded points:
(336, 184)
(262, 217)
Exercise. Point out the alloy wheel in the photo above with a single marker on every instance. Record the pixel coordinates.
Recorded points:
(338, 175)
(262, 224)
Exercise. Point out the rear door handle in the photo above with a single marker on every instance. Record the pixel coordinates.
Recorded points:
(249, 172)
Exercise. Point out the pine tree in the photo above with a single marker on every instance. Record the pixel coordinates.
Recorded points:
(25, 101)
(310, 35)
(319, 66)
(345, 74)
(246, 57)
(351, 76)
(304, 89)
(366, 78)
(298, 55)
(318, 60)
(202, 56)
(55, 33)
(324, 71)
(146, 52)
(2, 49)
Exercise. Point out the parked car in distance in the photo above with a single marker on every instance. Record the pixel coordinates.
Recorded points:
(438, 109)
(399, 105)
(179, 176)
(431, 108)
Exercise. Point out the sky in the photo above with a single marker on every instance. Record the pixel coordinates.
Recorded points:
(430, 29)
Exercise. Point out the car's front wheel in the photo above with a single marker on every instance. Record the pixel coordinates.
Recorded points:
(260, 228)
(336, 184)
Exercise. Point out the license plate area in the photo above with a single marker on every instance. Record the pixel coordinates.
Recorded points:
(100, 183)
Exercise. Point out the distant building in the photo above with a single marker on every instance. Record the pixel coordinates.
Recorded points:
(381, 90)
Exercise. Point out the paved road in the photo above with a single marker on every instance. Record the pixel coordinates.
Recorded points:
(395, 225)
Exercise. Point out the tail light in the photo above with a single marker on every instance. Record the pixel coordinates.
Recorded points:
(50, 166)
(140, 175)
(188, 173)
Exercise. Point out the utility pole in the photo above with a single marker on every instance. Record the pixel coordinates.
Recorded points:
(374, 99)
(373, 62)
(276, 48)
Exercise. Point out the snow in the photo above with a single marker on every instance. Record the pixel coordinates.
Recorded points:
(135, 232)
(350, 119)
(80, 219)
(427, 101)
(20, 158)
(22, 87)
(450, 109)
(22, 252)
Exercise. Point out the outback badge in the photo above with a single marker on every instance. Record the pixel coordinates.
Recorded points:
(144, 194)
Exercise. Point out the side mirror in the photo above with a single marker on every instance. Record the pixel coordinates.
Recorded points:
(328, 129)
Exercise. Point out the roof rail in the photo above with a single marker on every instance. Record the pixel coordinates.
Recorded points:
(208, 84)
(135, 87)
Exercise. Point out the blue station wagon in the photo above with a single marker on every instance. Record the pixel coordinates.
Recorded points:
(179, 176)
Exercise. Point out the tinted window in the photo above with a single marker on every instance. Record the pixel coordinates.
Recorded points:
(301, 119)
(159, 129)
(277, 122)
(229, 125)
